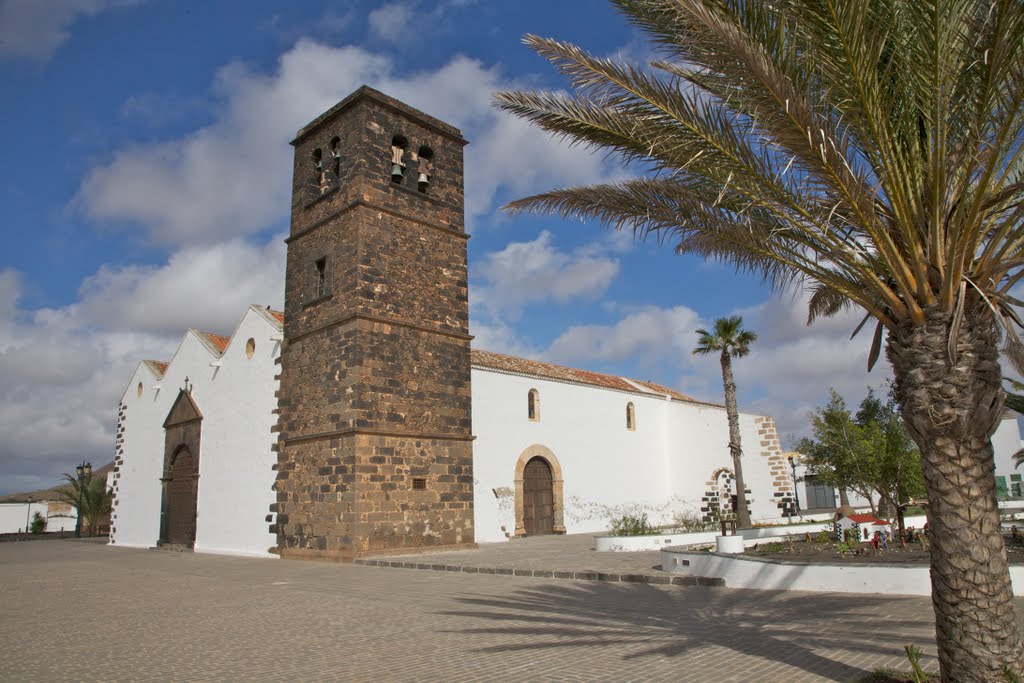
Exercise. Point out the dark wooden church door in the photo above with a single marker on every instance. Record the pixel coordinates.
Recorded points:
(538, 498)
(181, 523)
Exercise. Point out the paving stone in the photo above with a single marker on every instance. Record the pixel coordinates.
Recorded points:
(194, 617)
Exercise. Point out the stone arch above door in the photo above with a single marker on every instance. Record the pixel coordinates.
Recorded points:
(180, 477)
(558, 507)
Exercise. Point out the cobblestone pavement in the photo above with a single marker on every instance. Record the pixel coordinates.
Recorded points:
(76, 611)
(562, 557)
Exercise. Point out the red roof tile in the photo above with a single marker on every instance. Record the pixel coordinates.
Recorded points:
(218, 340)
(866, 519)
(513, 364)
(277, 315)
(159, 367)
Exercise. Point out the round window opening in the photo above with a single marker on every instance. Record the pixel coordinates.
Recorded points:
(250, 347)
(138, 390)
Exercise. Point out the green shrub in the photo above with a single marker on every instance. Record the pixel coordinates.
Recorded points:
(845, 547)
(632, 525)
(823, 537)
(38, 525)
(689, 522)
(914, 655)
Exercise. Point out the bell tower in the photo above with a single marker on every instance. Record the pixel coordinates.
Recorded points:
(374, 445)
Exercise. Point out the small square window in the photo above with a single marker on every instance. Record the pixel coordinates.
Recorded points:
(419, 484)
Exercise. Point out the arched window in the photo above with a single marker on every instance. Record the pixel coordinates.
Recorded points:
(398, 147)
(425, 168)
(630, 417)
(533, 405)
(335, 157)
(319, 178)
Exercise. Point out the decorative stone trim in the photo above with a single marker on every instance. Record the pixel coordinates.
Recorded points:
(779, 471)
(115, 474)
(558, 503)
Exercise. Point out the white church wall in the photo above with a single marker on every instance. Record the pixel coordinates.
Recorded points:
(699, 435)
(236, 396)
(607, 469)
(136, 514)
(235, 462)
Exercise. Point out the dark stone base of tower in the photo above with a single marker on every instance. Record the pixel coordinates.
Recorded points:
(375, 442)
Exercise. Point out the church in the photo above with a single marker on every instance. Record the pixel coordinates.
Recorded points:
(361, 421)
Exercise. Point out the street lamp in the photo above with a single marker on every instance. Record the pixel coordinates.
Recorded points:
(796, 493)
(28, 511)
(84, 471)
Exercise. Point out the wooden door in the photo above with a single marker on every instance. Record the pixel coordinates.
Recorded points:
(538, 498)
(181, 525)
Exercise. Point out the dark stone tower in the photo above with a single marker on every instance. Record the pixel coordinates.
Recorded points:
(375, 444)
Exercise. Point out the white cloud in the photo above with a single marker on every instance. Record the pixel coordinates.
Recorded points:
(233, 177)
(198, 287)
(393, 22)
(529, 272)
(35, 29)
(649, 336)
(63, 369)
(792, 365)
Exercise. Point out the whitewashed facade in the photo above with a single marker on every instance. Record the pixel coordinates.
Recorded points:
(672, 455)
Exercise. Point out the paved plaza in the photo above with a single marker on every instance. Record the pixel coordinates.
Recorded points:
(82, 611)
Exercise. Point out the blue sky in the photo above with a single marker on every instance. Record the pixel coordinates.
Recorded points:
(145, 184)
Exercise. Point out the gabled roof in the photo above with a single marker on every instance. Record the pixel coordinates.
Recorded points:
(866, 519)
(535, 368)
(157, 367)
(217, 341)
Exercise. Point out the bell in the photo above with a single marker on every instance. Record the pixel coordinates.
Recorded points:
(423, 181)
(397, 173)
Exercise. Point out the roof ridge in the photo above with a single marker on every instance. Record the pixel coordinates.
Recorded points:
(544, 369)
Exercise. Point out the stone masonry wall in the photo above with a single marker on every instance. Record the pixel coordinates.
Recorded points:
(771, 450)
(374, 430)
(115, 474)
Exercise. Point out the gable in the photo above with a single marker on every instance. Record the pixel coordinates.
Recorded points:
(183, 410)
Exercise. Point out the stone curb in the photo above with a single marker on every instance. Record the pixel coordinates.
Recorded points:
(586, 575)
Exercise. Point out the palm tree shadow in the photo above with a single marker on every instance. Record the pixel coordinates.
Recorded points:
(779, 626)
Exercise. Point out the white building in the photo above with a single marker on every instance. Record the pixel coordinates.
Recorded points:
(613, 445)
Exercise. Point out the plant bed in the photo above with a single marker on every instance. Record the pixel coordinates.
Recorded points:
(832, 552)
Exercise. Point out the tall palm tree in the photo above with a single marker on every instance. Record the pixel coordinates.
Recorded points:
(872, 151)
(729, 340)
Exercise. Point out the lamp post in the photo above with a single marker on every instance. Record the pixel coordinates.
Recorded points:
(84, 471)
(28, 511)
(796, 493)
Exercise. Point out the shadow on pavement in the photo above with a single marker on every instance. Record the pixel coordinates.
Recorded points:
(794, 629)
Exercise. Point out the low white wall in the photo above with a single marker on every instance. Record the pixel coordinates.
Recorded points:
(13, 516)
(763, 574)
(637, 543)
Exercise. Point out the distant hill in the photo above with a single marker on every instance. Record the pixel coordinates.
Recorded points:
(52, 493)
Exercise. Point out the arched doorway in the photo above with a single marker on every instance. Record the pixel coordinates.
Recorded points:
(181, 499)
(538, 498)
(180, 480)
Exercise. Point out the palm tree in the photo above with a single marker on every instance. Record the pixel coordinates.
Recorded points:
(730, 340)
(873, 152)
(96, 499)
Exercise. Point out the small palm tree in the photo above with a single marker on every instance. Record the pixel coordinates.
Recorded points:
(729, 340)
(96, 500)
(873, 152)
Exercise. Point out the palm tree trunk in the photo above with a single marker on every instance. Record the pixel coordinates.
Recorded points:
(742, 514)
(951, 410)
